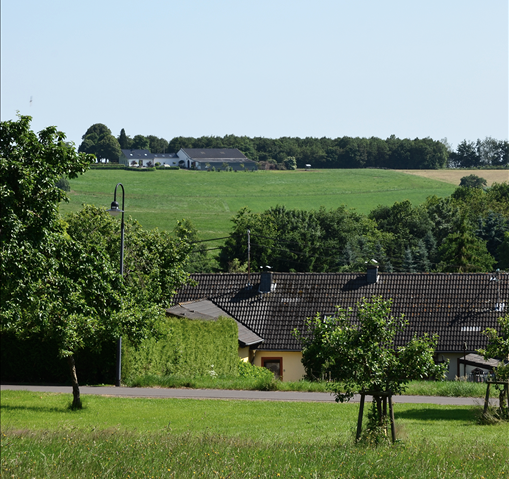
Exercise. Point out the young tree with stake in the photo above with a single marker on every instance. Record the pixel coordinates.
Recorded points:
(361, 357)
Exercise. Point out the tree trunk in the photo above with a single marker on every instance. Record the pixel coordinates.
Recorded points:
(76, 402)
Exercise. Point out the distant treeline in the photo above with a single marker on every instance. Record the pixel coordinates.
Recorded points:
(344, 152)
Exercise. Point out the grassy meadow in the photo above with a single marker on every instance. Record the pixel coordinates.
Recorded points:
(126, 437)
(210, 199)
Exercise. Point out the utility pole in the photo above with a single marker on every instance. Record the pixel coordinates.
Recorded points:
(249, 258)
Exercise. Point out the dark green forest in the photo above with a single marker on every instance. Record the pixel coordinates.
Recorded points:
(344, 152)
(465, 232)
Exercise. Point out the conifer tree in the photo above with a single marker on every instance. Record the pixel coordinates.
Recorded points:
(123, 140)
(463, 252)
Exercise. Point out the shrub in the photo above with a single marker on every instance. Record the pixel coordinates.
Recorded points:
(248, 370)
(63, 184)
(290, 163)
(473, 181)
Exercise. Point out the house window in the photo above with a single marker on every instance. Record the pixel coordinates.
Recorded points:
(275, 365)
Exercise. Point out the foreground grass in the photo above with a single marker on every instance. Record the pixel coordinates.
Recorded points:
(109, 454)
(209, 200)
(121, 437)
(415, 388)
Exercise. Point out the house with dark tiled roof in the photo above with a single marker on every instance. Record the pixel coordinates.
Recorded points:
(145, 158)
(190, 158)
(269, 306)
(208, 158)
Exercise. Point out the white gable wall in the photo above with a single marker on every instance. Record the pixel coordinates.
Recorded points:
(183, 156)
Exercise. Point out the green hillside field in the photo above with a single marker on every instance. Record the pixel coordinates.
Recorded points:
(210, 199)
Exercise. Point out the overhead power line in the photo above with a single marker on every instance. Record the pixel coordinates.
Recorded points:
(212, 239)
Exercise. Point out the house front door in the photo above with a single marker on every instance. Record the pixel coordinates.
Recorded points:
(275, 365)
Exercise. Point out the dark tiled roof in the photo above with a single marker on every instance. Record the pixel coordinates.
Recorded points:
(216, 154)
(145, 155)
(458, 307)
(138, 154)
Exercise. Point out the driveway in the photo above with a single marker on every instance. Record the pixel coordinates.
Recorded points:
(235, 394)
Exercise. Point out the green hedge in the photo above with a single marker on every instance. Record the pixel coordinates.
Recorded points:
(135, 168)
(185, 348)
(107, 166)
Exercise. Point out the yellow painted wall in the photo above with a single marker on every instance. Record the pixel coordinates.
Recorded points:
(244, 354)
(293, 370)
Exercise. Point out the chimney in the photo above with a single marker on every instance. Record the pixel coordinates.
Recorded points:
(266, 284)
(372, 274)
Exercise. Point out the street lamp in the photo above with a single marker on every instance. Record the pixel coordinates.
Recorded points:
(114, 211)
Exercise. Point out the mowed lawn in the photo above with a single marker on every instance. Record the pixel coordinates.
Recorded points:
(210, 199)
(126, 437)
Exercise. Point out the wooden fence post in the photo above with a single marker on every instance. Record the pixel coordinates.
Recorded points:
(391, 414)
(487, 398)
(359, 421)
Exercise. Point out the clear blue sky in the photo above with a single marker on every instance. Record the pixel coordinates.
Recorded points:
(331, 68)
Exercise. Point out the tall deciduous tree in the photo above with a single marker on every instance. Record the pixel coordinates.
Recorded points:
(153, 260)
(36, 295)
(140, 142)
(30, 166)
(108, 148)
(157, 145)
(99, 141)
(62, 281)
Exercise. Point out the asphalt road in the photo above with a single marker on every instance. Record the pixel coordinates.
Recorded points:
(229, 394)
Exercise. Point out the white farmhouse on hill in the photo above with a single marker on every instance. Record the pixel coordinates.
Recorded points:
(190, 158)
(145, 158)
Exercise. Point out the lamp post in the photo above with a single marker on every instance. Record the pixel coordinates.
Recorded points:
(114, 211)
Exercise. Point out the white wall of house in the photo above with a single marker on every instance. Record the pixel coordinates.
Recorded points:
(166, 161)
(453, 358)
(183, 156)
